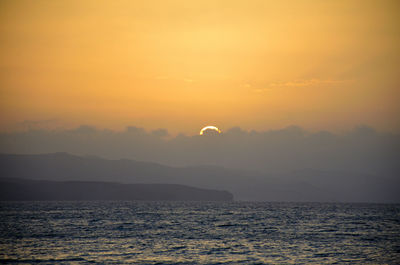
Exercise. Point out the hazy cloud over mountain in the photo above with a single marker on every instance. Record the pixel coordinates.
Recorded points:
(290, 149)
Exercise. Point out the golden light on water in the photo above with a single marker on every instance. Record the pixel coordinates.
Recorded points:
(209, 128)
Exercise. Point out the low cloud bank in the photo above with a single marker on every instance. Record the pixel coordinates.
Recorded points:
(290, 149)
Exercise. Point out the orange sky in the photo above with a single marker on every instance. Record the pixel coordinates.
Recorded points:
(181, 65)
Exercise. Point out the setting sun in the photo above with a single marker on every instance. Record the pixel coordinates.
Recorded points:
(209, 128)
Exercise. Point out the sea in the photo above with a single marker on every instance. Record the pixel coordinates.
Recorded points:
(125, 232)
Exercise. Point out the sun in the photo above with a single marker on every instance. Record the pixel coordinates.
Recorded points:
(209, 128)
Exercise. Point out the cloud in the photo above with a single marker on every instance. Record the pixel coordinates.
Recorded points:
(307, 82)
(84, 129)
(160, 133)
(299, 83)
(133, 130)
(362, 149)
(260, 90)
(39, 124)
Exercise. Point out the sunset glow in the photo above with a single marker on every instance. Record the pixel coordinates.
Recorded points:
(322, 65)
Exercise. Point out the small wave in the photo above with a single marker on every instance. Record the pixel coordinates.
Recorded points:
(29, 261)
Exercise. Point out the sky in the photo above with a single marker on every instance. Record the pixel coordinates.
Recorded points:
(181, 65)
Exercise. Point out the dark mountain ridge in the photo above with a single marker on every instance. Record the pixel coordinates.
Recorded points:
(306, 185)
(44, 190)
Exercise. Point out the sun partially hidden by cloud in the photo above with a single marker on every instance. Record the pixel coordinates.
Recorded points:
(209, 128)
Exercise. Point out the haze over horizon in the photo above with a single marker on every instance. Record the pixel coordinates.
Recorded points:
(362, 149)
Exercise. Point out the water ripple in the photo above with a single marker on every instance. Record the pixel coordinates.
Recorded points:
(198, 233)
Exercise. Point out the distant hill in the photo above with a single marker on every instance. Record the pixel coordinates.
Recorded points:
(39, 190)
(244, 185)
(305, 185)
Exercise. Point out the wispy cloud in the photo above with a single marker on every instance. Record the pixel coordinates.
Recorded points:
(307, 82)
(260, 90)
(298, 83)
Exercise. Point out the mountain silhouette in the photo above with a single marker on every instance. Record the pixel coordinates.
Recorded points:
(306, 185)
(38, 190)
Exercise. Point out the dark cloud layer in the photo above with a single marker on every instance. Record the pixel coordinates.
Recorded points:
(361, 150)
(360, 165)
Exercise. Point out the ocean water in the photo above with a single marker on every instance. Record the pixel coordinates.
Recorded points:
(199, 233)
